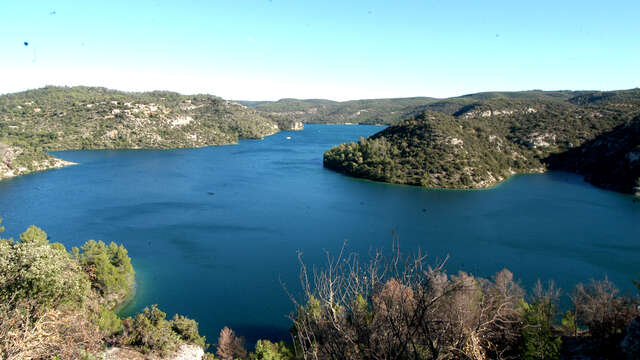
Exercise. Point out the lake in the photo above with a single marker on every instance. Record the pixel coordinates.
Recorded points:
(214, 232)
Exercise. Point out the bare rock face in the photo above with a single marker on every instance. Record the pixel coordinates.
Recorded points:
(185, 352)
(537, 140)
(189, 352)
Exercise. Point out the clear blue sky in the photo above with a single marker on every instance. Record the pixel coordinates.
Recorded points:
(265, 50)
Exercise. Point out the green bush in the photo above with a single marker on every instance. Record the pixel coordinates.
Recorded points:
(108, 322)
(539, 341)
(151, 332)
(109, 267)
(34, 235)
(569, 324)
(267, 350)
(36, 270)
(187, 329)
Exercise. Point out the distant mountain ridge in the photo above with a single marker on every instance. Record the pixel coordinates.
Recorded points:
(393, 110)
(319, 111)
(478, 140)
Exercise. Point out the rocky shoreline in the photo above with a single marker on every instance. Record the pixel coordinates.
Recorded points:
(12, 166)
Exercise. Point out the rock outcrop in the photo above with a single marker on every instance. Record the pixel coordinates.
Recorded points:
(185, 352)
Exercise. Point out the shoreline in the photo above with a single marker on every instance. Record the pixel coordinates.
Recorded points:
(59, 163)
(485, 188)
(128, 299)
(491, 187)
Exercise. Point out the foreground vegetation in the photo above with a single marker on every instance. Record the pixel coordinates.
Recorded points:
(477, 141)
(405, 309)
(58, 304)
(64, 118)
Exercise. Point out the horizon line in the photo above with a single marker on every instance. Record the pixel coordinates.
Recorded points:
(312, 98)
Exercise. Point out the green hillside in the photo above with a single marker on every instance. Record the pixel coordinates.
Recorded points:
(62, 118)
(478, 140)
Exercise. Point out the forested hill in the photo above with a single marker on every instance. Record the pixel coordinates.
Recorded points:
(62, 118)
(378, 111)
(478, 140)
(392, 111)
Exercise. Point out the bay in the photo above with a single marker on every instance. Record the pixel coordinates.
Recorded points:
(214, 232)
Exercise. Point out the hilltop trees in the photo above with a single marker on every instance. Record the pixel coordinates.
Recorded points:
(231, 347)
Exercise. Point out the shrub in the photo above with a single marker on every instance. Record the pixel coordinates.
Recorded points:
(605, 314)
(187, 329)
(405, 310)
(230, 346)
(267, 350)
(33, 269)
(29, 330)
(151, 332)
(569, 324)
(109, 266)
(539, 340)
(43, 293)
(108, 322)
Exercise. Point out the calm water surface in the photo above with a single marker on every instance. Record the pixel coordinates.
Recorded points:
(213, 231)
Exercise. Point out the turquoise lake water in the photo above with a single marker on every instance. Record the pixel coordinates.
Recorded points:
(214, 231)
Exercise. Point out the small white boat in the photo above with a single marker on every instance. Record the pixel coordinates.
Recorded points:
(288, 137)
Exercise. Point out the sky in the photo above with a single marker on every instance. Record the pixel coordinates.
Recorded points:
(340, 50)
